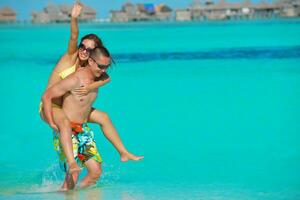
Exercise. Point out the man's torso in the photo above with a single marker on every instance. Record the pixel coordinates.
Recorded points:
(77, 108)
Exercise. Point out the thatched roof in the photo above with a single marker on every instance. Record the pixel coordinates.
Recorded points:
(89, 10)
(222, 5)
(65, 8)
(61, 13)
(163, 8)
(128, 4)
(226, 5)
(264, 5)
(7, 11)
(140, 7)
(208, 2)
(289, 2)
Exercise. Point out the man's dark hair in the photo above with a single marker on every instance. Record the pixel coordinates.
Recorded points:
(99, 51)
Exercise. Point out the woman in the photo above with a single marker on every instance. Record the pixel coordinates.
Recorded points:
(72, 60)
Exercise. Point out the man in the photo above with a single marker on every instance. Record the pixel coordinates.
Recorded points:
(74, 58)
(77, 109)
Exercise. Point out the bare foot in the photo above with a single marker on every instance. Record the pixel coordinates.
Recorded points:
(128, 156)
(74, 168)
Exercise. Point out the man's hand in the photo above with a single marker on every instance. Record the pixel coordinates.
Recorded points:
(76, 10)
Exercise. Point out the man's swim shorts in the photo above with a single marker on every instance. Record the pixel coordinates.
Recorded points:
(84, 145)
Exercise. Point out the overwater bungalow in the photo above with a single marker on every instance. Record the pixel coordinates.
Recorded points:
(183, 15)
(223, 10)
(7, 14)
(141, 12)
(61, 13)
(289, 8)
(119, 16)
(88, 14)
(163, 12)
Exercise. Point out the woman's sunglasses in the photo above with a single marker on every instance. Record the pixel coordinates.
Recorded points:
(82, 47)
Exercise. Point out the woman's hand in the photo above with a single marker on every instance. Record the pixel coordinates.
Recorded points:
(76, 10)
(54, 127)
(81, 91)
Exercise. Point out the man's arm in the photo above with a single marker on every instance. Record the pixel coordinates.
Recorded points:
(57, 90)
(76, 10)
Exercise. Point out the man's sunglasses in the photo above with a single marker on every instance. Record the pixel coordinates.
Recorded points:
(82, 47)
(100, 66)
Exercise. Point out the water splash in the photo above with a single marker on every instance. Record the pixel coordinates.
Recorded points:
(110, 174)
(48, 181)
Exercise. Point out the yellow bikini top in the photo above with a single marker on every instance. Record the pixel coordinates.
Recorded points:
(67, 71)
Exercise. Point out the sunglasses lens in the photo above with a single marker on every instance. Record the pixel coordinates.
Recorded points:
(100, 67)
(82, 47)
(103, 67)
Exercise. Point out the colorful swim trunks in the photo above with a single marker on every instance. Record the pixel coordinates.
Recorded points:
(84, 145)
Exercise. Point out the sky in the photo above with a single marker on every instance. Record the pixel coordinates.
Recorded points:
(24, 8)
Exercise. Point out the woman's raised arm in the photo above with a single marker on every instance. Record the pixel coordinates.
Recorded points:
(76, 10)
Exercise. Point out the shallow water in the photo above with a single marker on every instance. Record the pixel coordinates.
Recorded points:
(213, 107)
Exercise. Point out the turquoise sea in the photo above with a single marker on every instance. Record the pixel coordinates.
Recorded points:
(214, 108)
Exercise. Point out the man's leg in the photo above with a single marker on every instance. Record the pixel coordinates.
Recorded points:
(111, 134)
(70, 181)
(65, 130)
(94, 172)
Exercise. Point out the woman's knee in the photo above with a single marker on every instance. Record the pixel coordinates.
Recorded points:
(105, 117)
(100, 118)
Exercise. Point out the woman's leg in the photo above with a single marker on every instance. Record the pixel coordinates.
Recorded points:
(64, 126)
(111, 134)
